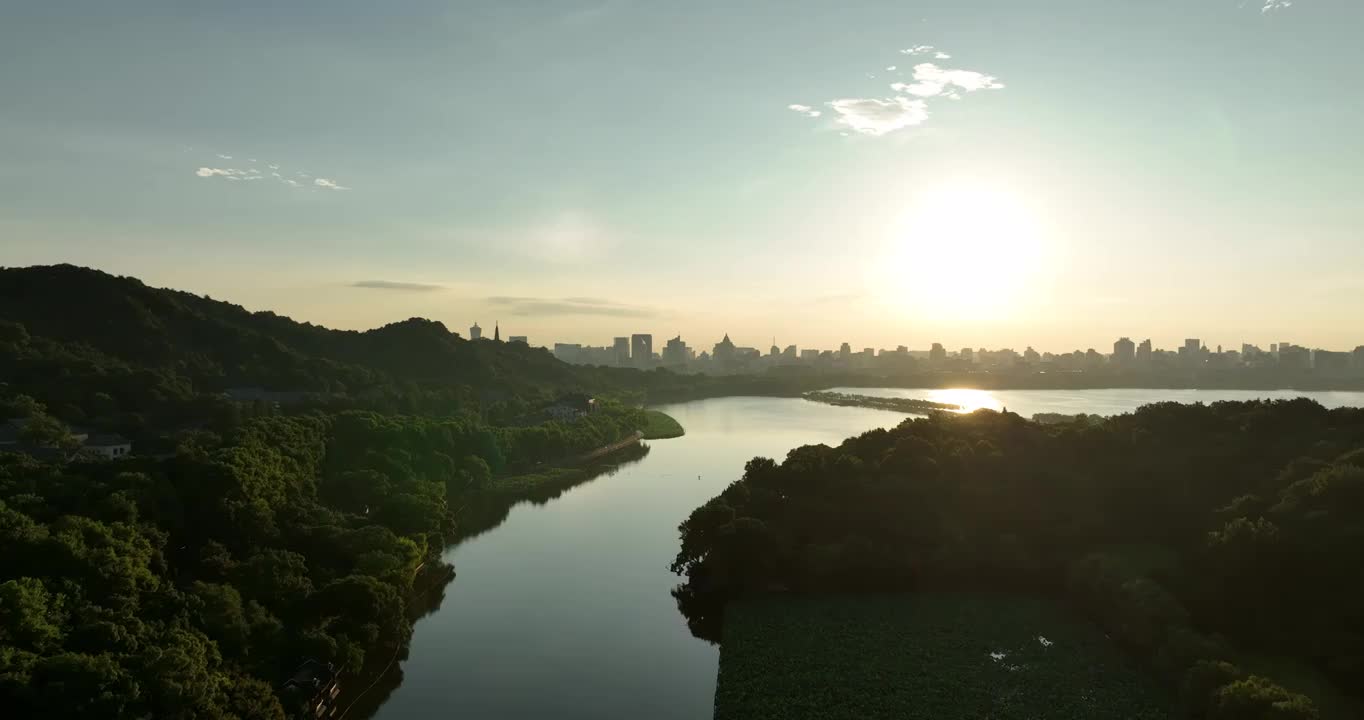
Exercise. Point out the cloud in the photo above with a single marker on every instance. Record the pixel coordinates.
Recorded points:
(876, 117)
(205, 172)
(224, 157)
(1272, 5)
(805, 110)
(931, 81)
(890, 68)
(942, 56)
(917, 50)
(392, 285)
(328, 184)
(525, 306)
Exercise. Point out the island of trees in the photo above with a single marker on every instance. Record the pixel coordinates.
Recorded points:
(1217, 543)
(905, 405)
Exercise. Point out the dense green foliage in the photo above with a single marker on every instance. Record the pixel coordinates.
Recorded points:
(190, 585)
(660, 425)
(935, 656)
(1260, 506)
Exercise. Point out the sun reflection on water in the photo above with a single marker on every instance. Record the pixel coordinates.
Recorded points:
(969, 400)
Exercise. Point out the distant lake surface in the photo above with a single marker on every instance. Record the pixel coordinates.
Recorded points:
(564, 610)
(1098, 402)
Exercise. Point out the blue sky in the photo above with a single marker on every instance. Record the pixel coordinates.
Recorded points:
(1053, 173)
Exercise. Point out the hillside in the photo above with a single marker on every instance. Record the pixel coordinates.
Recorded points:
(69, 334)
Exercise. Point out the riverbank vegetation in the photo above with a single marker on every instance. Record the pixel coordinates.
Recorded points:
(936, 656)
(1248, 517)
(661, 426)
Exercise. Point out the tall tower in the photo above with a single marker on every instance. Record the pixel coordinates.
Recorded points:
(497, 332)
(475, 332)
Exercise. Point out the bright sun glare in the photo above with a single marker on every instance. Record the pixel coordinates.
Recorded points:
(963, 251)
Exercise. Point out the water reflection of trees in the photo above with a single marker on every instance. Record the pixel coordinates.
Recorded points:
(483, 515)
(490, 510)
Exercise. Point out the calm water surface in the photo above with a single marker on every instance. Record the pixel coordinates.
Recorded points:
(563, 611)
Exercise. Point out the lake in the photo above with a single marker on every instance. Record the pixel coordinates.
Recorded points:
(564, 610)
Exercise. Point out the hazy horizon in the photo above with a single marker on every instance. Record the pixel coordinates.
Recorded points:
(1055, 174)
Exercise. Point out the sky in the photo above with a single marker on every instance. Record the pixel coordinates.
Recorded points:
(985, 173)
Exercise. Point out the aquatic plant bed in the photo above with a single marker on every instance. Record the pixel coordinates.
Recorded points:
(930, 656)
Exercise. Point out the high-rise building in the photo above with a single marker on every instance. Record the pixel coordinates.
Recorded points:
(845, 351)
(1144, 352)
(724, 353)
(967, 355)
(568, 352)
(936, 354)
(497, 332)
(1294, 357)
(676, 353)
(1124, 351)
(621, 345)
(642, 349)
(475, 332)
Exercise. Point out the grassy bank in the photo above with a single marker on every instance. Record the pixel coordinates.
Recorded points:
(932, 656)
(660, 426)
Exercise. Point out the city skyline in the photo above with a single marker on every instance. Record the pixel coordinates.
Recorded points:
(818, 171)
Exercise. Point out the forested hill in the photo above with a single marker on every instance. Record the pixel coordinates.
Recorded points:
(68, 332)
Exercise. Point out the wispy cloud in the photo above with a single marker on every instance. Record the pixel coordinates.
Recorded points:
(527, 306)
(1272, 5)
(872, 116)
(328, 184)
(907, 108)
(932, 81)
(272, 172)
(393, 285)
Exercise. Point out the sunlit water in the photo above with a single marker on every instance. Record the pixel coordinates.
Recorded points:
(1095, 402)
(564, 610)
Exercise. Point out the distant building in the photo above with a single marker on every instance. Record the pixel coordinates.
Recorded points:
(1326, 362)
(1144, 352)
(676, 353)
(936, 355)
(475, 332)
(642, 349)
(1031, 357)
(967, 355)
(497, 332)
(106, 446)
(568, 352)
(725, 354)
(518, 339)
(1124, 351)
(1294, 357)
(845, 351)
(621, 345)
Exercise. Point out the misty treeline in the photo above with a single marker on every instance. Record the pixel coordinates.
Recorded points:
(1196, 536)
(190, 585)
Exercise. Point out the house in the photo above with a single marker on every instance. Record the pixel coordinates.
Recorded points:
(312, 691)
(107, 446)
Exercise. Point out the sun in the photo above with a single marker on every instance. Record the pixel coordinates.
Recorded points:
(963, 251)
